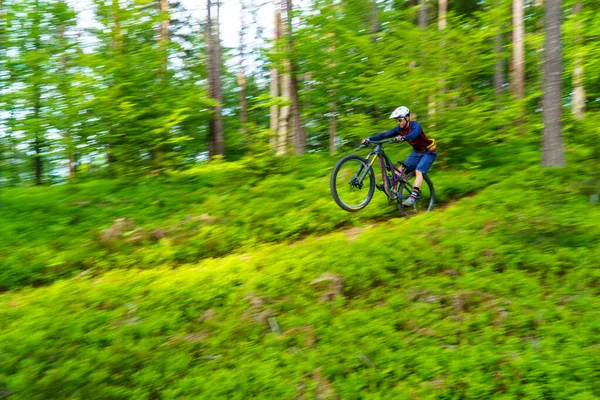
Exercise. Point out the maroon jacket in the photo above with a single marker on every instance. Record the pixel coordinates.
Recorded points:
(412, 133)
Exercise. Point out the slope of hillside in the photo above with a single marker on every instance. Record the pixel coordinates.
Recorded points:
(58, 232)
(496, 296)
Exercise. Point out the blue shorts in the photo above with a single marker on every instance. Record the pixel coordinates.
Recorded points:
(422, 162)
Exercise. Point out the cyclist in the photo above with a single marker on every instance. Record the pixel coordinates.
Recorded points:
(424, 149)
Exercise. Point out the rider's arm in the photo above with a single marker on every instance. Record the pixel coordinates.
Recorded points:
(385, 135)
(416, 130)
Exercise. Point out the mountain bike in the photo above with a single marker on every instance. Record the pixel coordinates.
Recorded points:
(352, 181)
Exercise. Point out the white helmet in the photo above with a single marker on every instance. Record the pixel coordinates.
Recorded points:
(400, 112)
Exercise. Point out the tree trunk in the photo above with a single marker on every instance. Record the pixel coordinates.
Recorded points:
(332, 103)
(499, 65)
(553, 152)
(298, 135)
(158, 153)
(163, 36)
(242, 77)
(274, 88)
(116, 34)
(499, 73)
(374, 21)
(243, 103)
(37, 101)
(498, 68)
(38, 134)
(430, 100)
(578, 88)
(423, 20)
(518, 60)
(117, 45)
(442, 20)
(64, 86)
(215, 125)
(284, 111)
(284, 90)
(332, 123)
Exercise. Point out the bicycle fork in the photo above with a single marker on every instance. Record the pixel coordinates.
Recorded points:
(362, 172)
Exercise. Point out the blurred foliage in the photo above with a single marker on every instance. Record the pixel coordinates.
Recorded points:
(221, 279)
(103, 97)
(494, 295)
(208, 211)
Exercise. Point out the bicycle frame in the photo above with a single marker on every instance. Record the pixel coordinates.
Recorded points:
(386, 164)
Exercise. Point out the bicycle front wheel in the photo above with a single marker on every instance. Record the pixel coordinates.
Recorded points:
(425, 201)
(352, 183)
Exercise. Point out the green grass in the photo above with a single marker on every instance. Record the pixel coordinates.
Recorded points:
(58, 232)
(495, 296)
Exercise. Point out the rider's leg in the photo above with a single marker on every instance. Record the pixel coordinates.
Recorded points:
(418, 179)
(425, 163)
(412, 161)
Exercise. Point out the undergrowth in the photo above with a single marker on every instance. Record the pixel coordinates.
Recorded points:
(495, 296)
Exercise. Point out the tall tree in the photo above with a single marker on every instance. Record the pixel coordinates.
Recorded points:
(332, 99)
(499, 64)
(65, 19)
(374, 21)
(295, 116)
(274, 78)
(36, 124)
(158, 146)
(216, 143)
(163, 36)
(518, 59)
(552, 146)
(242, 74)
(442, 17)
(423, 20)
(578, 88)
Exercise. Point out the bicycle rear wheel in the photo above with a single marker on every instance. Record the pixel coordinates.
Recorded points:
(352, 183)
(425, 201)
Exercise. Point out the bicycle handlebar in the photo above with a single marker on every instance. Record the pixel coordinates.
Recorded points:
(362, 146)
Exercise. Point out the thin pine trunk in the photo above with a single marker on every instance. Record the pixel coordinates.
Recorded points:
(332, 123)
(423, 20)
(274, 89)
(117, 46)
(442, 23)
(518, 60)
(163, 37)
(38, 134)
(298, 135)
(163, 45)
(243, 103)
(284, 111)
(37, 103)
(242, 77)
(332, 102)
(65, 89)
(578, 88)
(499, 67)
(442, 16)
(552, 147)
(215, 126)
(374, 21)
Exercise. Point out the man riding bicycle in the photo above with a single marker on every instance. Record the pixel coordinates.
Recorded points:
(424, 149)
